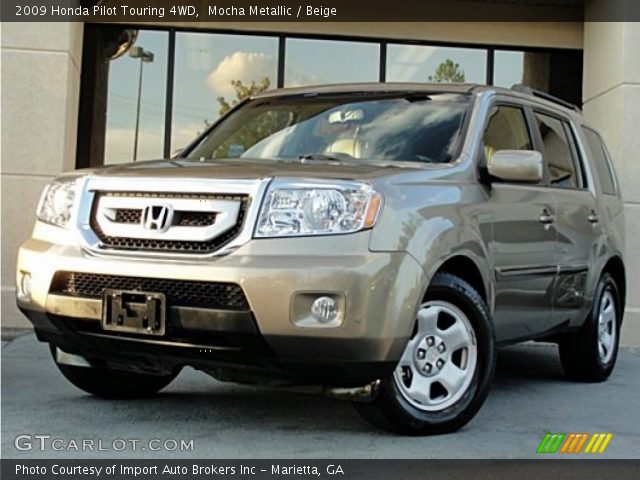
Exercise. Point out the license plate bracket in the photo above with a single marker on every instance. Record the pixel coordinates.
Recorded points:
(130, 311)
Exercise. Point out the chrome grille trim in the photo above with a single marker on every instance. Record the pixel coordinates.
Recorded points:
(226, 209)
(190, 189)
(154, 240)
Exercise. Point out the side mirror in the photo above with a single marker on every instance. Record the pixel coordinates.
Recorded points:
(516, 166)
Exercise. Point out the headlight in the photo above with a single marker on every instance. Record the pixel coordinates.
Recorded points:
(294, 209)
(57, 202)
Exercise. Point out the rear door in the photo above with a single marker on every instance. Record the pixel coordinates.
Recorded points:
(522, 234)
(578, 216)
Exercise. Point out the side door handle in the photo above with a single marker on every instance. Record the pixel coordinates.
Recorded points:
(546, 217)
(593, 217)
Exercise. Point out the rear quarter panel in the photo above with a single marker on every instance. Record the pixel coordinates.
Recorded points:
(611, 211)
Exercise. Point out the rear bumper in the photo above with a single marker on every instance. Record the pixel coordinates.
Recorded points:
(381, 292)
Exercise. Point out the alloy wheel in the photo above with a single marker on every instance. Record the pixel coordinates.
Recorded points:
(440, 359)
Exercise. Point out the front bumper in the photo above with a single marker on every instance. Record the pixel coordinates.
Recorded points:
(381, 292)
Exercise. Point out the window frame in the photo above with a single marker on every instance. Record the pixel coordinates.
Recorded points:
(529, 120)
(576, 157)
(608, 162)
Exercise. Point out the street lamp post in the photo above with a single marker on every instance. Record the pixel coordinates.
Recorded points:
(145, 56)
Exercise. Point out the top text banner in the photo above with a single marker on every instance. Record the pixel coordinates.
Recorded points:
(142, 11)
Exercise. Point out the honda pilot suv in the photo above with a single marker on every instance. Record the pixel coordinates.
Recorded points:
(379, 240)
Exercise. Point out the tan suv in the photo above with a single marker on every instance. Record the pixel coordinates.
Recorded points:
(380, 240)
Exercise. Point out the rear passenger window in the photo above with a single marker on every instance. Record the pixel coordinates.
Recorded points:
(557, 151)
(506, 130)
(600, 162)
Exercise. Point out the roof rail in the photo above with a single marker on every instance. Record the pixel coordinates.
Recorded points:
(546, 96)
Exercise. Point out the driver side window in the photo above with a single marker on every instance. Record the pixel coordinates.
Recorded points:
(506, 130)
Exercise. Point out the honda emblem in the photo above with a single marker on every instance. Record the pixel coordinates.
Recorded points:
(157, 217)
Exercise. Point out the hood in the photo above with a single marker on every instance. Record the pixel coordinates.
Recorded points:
(255, 169)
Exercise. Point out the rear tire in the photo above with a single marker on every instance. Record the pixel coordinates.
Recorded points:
(114, 384)
(444, 374)
(590, 354)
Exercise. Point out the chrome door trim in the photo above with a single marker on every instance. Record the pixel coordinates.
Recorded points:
(573, 269)
(508, 272)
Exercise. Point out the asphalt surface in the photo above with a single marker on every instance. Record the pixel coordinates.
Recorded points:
(529, 397)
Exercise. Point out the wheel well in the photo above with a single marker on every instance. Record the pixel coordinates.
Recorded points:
(615, 268)
(466, 269)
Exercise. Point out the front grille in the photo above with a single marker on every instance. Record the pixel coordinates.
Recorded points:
(179, 293)
(195, 219)
(128, 215)
(183, 218)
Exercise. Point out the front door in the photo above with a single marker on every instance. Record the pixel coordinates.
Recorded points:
(523, 236)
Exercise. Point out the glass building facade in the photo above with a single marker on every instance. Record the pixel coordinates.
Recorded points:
(157, 107)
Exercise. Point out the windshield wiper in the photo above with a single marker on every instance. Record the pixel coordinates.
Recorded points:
(322, 157)
(417, 97)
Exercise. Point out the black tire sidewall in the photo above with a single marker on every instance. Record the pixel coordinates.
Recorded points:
(579, 352)
(450, 289)
(113, 384)
(606, 284)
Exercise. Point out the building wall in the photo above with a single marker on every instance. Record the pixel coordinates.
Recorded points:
(529, 34)
(40, 89)
(612, 104)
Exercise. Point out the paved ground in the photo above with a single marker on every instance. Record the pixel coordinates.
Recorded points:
(529, 398)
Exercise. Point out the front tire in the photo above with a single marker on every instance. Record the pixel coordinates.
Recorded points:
(590, 354)
(445, 371)
(114, 384)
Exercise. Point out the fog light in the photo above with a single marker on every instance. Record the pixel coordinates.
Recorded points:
(24, 286)
(318, 309)
(324, 310)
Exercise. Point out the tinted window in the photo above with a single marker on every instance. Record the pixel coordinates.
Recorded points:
(413, 127)
(316, 62)
(213, 72)
(136, 101)
(506, 130)
(557, 151)
(420, 63)
(600, 161)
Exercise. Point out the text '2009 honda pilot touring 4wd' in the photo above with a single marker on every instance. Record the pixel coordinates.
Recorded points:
(378, 240)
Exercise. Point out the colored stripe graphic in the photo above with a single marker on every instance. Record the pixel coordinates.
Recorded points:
(550, 443)
(574, 442)
(598, 443)
(569, 443)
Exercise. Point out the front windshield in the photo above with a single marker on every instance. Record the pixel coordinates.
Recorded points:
(414, 127)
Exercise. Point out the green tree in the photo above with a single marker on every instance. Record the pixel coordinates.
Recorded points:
(242, 92)
(258, 128)
(448, 72)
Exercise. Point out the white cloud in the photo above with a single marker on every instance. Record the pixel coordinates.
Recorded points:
(243, 66)
(415, 55)
(409, 63)
(298, 79)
